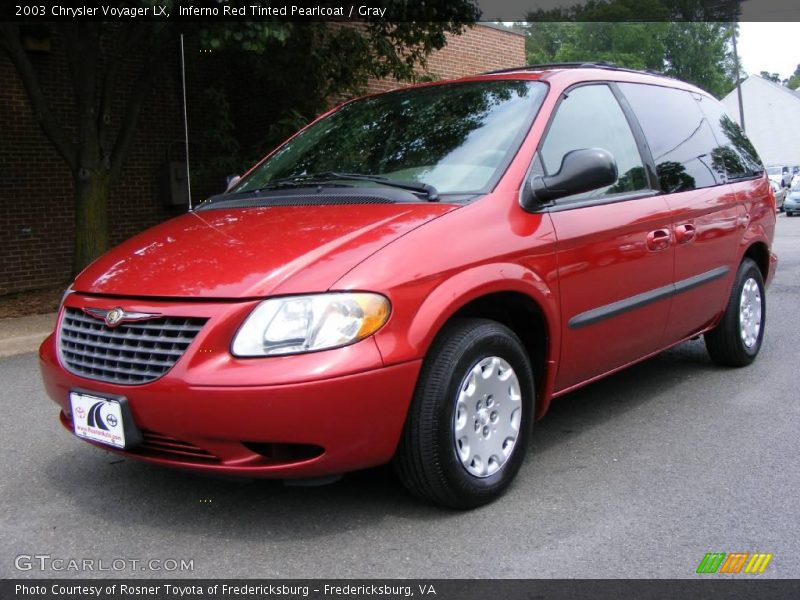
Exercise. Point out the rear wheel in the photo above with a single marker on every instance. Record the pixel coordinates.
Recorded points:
(735, 342)
(466, 432)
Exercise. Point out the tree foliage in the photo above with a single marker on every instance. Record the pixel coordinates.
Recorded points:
(296, 67)
(794, 81)
(661, 39)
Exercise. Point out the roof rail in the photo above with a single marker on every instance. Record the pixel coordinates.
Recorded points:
(601, 64)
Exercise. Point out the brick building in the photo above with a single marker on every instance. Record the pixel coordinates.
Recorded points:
(36, 193)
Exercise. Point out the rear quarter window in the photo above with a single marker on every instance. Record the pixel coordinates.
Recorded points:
(735, 150)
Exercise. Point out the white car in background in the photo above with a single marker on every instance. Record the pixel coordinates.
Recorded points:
(780, 175)
(780, 194)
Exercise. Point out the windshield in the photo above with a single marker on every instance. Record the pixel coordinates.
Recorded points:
(458, 137)
(774, 170)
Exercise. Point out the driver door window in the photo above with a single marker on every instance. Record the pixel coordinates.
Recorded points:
(591, 117)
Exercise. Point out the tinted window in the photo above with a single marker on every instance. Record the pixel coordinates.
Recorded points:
(680, 137)
(456, 137)
(590, 117)
(735, 153)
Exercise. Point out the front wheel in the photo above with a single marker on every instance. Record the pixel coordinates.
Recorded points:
(735, 342)
(466, 431)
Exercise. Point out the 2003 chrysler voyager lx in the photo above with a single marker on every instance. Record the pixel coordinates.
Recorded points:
(417, 274)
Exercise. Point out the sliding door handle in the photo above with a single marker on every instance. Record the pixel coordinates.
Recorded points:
(684, 233)
(660, 239)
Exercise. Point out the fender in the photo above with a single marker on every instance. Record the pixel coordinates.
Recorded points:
(455, 292)
(757, 234)
(758, 222)
(754, 233)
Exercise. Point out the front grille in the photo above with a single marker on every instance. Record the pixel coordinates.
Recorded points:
(129, 354)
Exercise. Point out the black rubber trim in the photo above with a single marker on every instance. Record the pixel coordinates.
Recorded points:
(641, 139)
(601, 200)
(311, 195)
(608, 311)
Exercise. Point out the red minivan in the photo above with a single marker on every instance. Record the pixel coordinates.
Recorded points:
(415, 275)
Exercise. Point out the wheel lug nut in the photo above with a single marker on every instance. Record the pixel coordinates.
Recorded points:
(494, 416)
(486, 431)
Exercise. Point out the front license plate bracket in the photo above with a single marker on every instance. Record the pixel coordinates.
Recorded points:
(108, 411)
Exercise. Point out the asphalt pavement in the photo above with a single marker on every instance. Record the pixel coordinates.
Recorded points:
(638, 475)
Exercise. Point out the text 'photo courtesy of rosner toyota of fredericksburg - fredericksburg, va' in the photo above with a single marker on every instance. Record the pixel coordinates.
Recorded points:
(445, 299)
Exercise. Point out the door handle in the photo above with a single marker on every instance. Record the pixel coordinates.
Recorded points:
(659, 239)
(684, 233)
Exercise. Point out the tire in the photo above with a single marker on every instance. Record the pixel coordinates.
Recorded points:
(431, 461)
(735, 342)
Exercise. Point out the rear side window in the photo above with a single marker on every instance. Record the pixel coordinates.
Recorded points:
(734, 152)
(680, 136)
(590, 117)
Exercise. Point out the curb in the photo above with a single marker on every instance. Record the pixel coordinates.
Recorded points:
(24, 334)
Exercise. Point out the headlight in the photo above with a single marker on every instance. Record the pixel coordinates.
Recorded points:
(295, 324)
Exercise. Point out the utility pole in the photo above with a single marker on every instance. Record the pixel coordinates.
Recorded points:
(738, 78)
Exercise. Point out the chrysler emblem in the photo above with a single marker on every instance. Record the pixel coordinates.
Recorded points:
(118, 315)
(114, 317)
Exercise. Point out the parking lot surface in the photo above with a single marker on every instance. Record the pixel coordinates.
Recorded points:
(638, 475)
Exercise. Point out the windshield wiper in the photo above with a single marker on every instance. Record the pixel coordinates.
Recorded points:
(430, 192)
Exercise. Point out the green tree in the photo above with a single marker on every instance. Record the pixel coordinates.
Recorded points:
(771, 76)
(794, 80)
(700, 54)
(96, 145)
(660, 39)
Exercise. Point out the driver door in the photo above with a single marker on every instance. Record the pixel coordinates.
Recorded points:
(614, 245)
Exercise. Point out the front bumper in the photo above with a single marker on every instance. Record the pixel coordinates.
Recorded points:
(281, 417)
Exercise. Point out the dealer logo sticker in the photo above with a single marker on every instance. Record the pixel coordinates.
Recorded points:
(736, 562)
(95, 419)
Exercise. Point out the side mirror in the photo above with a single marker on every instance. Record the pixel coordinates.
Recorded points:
(581, 171)
(232, 181)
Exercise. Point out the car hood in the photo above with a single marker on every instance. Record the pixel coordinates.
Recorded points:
(251, 252)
